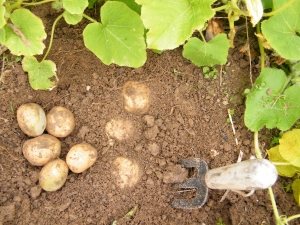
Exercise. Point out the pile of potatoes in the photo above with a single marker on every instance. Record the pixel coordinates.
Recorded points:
(44, 149)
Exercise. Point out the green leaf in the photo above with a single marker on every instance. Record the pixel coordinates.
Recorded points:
(75, 7)
(269, 104)
(119, 39)
(42, 75)
(57, 4)
(172, 22)
(92, 4)
(72, 19)
(267, 4)
(285, 170)
(289, 147)
(26, 33)
(132, 5)
(2, 35)
(207, 53)
(2, 13)
(282, 30)
(296, 190)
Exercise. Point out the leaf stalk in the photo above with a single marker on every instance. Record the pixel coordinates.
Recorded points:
(37, 3)
(89, 18)
(16, 5)
(52, 34)
(280, 9)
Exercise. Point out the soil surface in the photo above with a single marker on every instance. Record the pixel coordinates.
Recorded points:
(187, 118)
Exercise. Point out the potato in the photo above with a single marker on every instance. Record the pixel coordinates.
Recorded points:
(81, 157)
(136, 97)
(53, 175)
(126, 172)
(42, 149)
(60, 121)
(31, 119)
(120, 129)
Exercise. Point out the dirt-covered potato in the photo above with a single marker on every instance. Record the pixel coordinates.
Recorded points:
(42, 149)
(60, 121)
(126, 172)
(136, 97)
(120, 129)
(53, 175)
(31, 119)
(81, 157)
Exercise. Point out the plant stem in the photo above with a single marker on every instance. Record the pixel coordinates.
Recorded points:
(292, 218)
(261, 49)
(37, 3)
(10, 8)
(280, 9)
(272, 198)
(220, 8)
(89, 18)
(234, 7)
(203, 38)
(52, 34)
(275, 210)
(256, 146)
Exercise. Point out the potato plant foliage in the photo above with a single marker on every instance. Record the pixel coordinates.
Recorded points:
(122, 38)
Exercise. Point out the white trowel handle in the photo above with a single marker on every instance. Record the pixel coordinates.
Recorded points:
(247, 175)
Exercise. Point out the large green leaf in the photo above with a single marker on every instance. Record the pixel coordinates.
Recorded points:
(289, 147)
(2, 13)
(269, 104)
(2, 35)
(296, 190)
(75, 6)
(207, 53)
(25, 35)
(72, 19)
(42, 75)
(282, 30)
(131, 4)
(283, 170)
(171, 22)
(119, 39)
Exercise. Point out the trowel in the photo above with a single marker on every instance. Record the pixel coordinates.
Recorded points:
(252, 174)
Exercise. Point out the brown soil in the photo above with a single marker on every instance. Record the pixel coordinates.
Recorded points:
(186, 119)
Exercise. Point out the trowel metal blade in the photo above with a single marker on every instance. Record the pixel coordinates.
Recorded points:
(193, 183)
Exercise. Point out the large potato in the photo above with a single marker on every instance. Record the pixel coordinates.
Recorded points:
(126, 172)
(60, 121)
(31, 119)
(81, 157)
(136, 97)
(42, 149)
(53, 175)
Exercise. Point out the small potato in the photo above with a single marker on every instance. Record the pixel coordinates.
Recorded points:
(81, 157)
(136, 97)
(31, 119)
(120, 129)
(60, 121)
(42, 149)
(53, 175)
(126, 172)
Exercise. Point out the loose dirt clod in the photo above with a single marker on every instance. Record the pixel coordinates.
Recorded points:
(175, 174)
